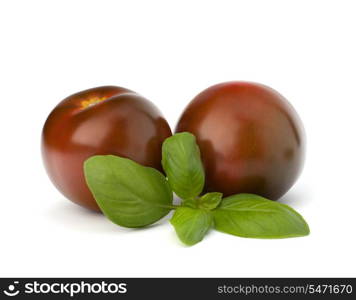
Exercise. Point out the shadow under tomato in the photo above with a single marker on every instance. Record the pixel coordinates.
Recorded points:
(296, 198)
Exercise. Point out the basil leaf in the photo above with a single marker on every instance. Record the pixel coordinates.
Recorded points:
(249, 215)
(191, 224)
(182, 164)
(129, 194)
(191, 202)
(210, 200)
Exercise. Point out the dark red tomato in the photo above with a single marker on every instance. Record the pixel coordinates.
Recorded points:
(103, 120)
(251, 139)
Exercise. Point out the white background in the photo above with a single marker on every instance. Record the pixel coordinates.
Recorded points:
(169, 51)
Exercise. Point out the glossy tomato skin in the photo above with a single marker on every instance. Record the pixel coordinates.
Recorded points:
(251, 139)
(98, 121)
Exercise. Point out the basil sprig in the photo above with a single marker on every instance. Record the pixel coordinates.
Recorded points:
(182, 164)
(249, 215)
(191, 224)
(129, 194)
(132, 195)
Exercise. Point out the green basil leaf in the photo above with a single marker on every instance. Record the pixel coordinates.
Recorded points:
(210, 200)
(249, 215)
(182, 164)
(191, 202)
(191, 224)
(129, 194)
